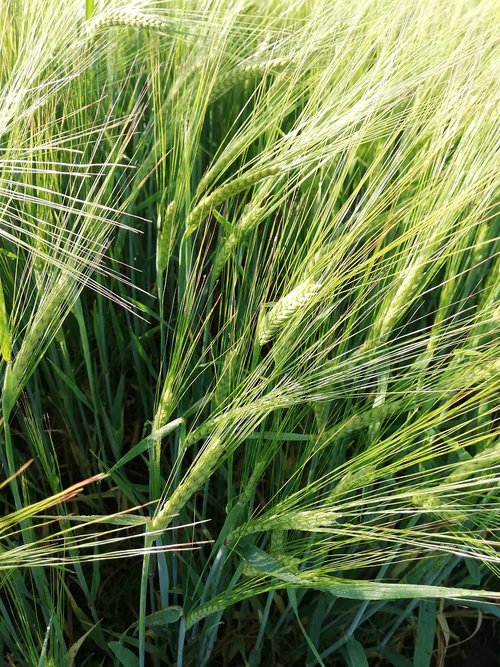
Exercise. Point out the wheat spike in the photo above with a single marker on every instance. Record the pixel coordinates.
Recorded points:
(220, 195)
(226, 250)
(165, 406)
(305, 520)
(48, 315)
(193, 481)
(125, 18)
(200, 433)
(166, 237)
(285, 309)
(249, 71)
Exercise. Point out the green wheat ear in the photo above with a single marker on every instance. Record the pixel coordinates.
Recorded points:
(246, 72)
(124, 18)
(166, 237)
(282, 311)
(252, 214)
(224, 192)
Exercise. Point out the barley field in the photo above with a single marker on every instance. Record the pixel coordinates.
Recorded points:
(249, 333)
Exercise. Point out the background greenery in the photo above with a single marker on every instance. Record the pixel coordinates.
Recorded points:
(249, 271)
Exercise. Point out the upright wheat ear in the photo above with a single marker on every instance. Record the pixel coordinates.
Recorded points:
(166, 237)
(285, 309)
(165, 406)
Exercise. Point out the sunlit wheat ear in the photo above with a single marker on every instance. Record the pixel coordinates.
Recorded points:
(363, 420)
(224, 192)
(111, 18)
(47, 316)
(284, 309)
(201, 432)
(246, 72)
(306, 520)
(165, 407)
(46, 321)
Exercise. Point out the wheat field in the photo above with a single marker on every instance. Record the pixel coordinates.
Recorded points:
(249, 332)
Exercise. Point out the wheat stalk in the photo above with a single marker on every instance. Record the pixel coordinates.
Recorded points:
(5, 333)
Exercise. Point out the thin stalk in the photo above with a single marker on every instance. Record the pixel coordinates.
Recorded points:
(148, 543)
(89, 9)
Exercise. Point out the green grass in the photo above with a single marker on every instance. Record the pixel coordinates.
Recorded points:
(249, 294)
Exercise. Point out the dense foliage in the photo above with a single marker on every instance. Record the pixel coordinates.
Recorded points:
(249, 307)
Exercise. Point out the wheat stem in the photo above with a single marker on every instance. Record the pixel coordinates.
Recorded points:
(5, 334)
